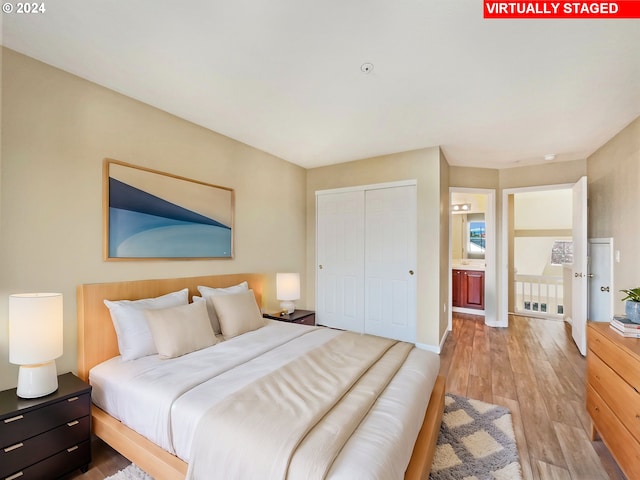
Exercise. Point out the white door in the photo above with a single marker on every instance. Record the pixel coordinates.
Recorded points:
(340, 260)
(390, 263)
(579, 269)
(600, 280)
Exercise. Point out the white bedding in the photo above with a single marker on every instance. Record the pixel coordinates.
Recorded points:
(164, 399)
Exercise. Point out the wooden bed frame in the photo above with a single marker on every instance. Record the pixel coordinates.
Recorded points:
(97, 342)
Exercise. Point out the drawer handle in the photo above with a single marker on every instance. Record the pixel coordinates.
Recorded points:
(13, 419)
(72, 399)
(13, 447)
(71, 424)
(69, 450)
(14, 476)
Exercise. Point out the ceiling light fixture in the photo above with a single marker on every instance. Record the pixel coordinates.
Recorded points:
(550, 156)
(461, 207)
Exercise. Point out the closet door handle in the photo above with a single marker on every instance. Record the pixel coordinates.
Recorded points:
(410, 272)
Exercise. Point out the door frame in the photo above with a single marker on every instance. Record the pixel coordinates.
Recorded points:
(490, 280)
(605, 241)
(502, 319)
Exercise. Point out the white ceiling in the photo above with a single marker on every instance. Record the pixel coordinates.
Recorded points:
(284, 75)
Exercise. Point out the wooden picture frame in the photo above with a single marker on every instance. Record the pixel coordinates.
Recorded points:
(151, 215)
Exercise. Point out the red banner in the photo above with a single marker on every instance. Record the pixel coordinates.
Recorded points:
(561, 9)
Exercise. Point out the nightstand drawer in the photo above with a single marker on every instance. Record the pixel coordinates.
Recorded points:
(54, 467)
(22, 454)
(308, 320)
(20, 427)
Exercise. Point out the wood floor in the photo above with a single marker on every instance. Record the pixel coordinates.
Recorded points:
(533, 368)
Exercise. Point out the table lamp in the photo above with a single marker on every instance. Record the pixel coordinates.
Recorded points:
(288, 290)
(35, 341)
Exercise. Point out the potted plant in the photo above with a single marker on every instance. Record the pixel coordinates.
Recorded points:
(632, 306)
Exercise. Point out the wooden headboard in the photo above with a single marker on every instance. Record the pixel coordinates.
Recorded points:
(97, 340)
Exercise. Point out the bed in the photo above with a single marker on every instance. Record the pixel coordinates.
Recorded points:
(98, 344)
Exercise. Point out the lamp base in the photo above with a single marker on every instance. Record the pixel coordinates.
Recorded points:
(38, 380)
(288, 307)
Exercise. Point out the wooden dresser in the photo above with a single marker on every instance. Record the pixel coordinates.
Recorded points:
(613, 394)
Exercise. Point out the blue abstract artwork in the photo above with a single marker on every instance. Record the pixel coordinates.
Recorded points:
(142, 224)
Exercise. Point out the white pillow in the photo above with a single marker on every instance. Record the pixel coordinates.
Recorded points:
(134, 337)
(238, 313)
(180, 330)
(208, 292)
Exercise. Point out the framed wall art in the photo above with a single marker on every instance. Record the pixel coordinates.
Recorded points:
(154, 215)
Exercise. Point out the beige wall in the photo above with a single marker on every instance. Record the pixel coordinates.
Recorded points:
(614, 203)
(56, 131)
(428, 168)
(542, 174)
(444, 248)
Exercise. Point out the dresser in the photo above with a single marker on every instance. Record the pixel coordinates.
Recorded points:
(47, 437)
(613, 394)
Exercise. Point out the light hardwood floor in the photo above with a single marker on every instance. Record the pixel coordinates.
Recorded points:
(533, 368)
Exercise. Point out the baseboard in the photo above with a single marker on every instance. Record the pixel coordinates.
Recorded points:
(434, 348)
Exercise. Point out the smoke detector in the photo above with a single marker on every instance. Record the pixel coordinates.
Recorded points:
(366, 67)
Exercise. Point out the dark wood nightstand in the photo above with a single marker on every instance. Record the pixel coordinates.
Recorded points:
(47, 437)
(303, 317)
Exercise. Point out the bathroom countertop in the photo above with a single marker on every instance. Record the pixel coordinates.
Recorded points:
(468, 266)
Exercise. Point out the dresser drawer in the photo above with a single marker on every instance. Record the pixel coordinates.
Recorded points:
(27, 452)
(621, 397)
(20, 427)
(623, 363)
(622, 445)
(56, 466)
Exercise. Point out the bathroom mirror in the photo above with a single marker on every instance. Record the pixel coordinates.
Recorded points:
(468, 236)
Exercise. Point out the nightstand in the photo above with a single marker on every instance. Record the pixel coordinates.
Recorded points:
(46, 437)
(303, 317)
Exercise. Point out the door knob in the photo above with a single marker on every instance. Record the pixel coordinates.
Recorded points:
(410, 272)
(604, 289)
(577, 275)
(591, 275)
(320, 267)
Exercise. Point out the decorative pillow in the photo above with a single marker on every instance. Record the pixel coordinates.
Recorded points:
(134, 337)
(238, 313)
(180, 330)
(208, 292)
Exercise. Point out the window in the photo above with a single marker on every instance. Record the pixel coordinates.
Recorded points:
(562, 252)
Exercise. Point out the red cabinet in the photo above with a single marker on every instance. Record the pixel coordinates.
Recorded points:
(467, 288)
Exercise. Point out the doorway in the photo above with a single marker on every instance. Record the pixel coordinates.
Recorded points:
(472, 248)
(577, 314)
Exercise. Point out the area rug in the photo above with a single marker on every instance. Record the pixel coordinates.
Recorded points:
(476, 442)
(132, 472)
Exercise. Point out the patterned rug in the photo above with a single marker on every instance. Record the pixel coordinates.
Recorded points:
(476, 442)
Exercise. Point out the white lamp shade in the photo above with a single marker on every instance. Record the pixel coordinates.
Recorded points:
(288, 286)
(35, 328)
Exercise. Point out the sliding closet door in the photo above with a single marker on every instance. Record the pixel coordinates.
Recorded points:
(390, 262)
(340, 260)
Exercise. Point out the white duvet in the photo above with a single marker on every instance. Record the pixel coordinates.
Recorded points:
(163, 400)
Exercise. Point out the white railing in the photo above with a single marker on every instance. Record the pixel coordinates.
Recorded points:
(539, 295)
